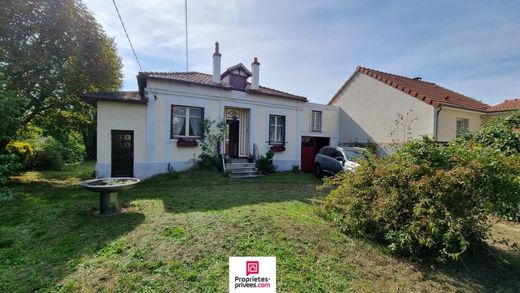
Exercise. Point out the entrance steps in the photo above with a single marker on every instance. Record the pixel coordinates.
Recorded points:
(242, 169)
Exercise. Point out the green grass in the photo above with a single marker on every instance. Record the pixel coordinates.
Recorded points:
(181, 228)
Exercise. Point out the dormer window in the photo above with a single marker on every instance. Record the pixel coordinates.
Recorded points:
(236, 76)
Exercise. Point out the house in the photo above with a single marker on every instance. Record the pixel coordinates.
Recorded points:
(504, 108)
(158, 128)
(383, 108)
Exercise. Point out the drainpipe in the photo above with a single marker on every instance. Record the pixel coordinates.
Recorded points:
(436, 124)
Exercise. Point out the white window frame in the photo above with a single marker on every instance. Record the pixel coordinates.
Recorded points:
(316, 120)
(187, 121)
(464, 126)
(277, 140)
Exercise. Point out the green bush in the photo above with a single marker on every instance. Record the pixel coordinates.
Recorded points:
(9, 165)
(49, 155)
(23, 150)
(73, 147)
(264, 164)
(500, 134)
(426, 200)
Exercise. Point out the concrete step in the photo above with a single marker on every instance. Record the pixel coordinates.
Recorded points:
(244, 172)
(235, 176)
(240, 165)
(242, 169)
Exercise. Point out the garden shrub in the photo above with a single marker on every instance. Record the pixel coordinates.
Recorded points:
(22, 150)
(265, 164)
(9, 165)
(426, 200)
(212, 135)
(73, 147)
(501, 134)
(48, 155)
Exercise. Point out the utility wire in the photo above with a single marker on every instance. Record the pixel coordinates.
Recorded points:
(128, 38)
(132, 46)
(186, 23)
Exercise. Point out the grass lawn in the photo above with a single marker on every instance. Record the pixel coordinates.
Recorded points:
(180, 230)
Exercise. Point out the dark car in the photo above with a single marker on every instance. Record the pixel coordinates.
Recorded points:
(332, 160)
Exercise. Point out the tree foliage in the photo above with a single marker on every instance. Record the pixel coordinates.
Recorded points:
(502, 134)
(51, 51)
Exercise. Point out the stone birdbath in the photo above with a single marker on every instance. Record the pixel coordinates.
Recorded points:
(109, 189)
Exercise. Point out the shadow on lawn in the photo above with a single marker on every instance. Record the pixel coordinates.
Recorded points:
(490, 269)
(47, 232)
(205, 191)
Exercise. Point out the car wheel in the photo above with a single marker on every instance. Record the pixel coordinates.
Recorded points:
(317, 171)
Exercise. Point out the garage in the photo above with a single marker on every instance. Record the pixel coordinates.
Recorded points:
(310, 147)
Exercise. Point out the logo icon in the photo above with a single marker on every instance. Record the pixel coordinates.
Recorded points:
(252, 267)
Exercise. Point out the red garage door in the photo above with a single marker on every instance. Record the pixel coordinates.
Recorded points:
(310, 147)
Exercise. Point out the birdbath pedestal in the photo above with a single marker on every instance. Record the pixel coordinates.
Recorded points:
(109, 189)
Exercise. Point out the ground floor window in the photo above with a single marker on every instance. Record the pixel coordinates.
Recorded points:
(462, 126)
(276, 129)
(186, 121)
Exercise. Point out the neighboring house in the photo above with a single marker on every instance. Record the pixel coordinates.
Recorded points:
(371, 102)
(158, 128)
(504, 108)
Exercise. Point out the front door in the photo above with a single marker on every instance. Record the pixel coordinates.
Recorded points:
(234, 134)
(122, 153)
(237, 134)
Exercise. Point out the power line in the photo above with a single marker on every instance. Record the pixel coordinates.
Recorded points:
(128, 38)
(186, 23)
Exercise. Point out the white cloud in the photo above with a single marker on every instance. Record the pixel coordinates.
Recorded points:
(311, 47)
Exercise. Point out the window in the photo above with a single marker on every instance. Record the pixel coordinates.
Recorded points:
(186, 121)
(316, 121)
(276, 129)
(462, 126)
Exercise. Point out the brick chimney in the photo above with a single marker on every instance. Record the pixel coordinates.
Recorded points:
(255, 79)
(216, 64)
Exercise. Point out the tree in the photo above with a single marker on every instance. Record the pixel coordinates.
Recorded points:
(11, 110)
(51, 51)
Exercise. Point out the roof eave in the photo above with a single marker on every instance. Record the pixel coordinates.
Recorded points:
(92, 99)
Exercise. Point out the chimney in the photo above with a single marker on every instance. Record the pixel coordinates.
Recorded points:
(255, 80)
(216, 64)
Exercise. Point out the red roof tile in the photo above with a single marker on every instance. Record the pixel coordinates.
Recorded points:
(428, 92)
(204, 79)
(507, 105)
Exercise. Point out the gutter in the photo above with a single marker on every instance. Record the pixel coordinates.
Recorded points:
(436, 124)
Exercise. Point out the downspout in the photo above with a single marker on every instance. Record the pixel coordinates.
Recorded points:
(436, 124)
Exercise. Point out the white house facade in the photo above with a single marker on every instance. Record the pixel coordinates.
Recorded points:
(159, 128)
(383, 108)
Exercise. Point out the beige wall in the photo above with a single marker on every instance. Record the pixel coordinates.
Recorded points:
(447, 127)
(120, 116)
(329, 121)
(369, 108)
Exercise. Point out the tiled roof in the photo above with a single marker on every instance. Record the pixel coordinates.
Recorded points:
(507, 105)
(122, 96)
(428, 92)
(204, 79)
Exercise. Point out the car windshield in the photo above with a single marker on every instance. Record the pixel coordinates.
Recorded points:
(354, 156)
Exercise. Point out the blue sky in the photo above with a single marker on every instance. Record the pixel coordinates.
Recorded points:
(311, 47)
